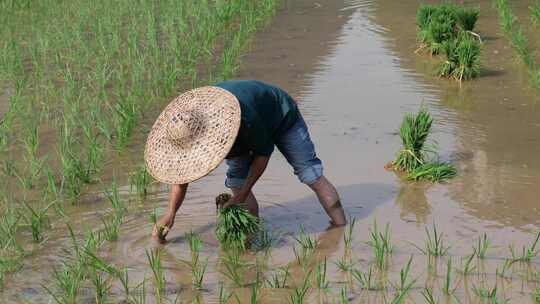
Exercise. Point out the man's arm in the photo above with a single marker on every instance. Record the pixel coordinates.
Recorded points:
(164, 225)
(258, 165)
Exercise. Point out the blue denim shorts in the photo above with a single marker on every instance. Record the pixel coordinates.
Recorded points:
(297, 147)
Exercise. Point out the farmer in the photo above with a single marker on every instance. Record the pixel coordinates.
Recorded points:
(240, 121)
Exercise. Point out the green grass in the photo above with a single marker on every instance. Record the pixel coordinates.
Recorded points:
(235, 224)
(482, 246)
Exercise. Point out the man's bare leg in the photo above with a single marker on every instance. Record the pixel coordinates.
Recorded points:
(329, 199)
(251, 201)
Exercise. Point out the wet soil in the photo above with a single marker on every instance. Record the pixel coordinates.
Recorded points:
(352, 67)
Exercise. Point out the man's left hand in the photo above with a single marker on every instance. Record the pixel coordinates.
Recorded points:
(236, 199)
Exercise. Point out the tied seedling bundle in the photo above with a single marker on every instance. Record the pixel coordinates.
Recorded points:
(235, 224)
(448, 29)
(414, 158)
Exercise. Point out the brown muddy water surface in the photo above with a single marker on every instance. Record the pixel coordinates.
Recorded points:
(353, 68)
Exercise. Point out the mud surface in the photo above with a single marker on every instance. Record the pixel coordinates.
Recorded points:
(353, 69)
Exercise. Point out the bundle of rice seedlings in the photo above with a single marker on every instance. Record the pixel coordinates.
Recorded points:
(462, 58)
(414, 131)
(440, 23)
(413, 159)
(467, 18)
(433, 171)
(235, 224)
(437, 24)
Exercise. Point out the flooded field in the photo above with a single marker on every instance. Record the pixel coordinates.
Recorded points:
(352, 66)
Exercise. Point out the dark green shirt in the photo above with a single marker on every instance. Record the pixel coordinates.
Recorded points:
(267, 112)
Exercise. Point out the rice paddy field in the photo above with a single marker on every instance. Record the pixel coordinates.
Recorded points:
(82, 82)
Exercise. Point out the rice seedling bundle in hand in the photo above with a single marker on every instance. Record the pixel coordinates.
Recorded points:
(414, 131)
(235, 224)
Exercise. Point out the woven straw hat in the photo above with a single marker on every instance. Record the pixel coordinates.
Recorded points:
(192, 135)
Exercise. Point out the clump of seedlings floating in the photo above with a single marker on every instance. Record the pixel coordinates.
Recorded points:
(235, 224)
(414, 159)
(448, 29)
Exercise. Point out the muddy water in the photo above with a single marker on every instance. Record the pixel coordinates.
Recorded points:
(352, 67)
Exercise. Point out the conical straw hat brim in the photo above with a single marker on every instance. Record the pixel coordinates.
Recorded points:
(213, 135)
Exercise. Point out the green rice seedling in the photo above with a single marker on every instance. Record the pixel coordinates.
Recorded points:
(343, 295)
(305, 241)
(344, 264)
(467, 264)
(279, 278)
(235, 224)
(121, 274)
(195, 245)
(153, 217)
(320, 276)
(488, 295)
(139, 180)
(448, 278)
(233, 267)
(365, 280)
(154, 259)
(224, 296)
(467, 18)
(436, 25)
(198, 271)
(303, 257)
(348, 235)
(113, 197)
(462, 58)
(35, 164)
(534, 9)
(37, 220)
(434, 245)
(427, 294)
(67, 283)
(527, 252)
(9, 226)
(482, 246)
(299, 293)
(414, 131)
(433, 172)
(266, 239)
(521, 45)
(255, 294)
(381, 244)
(102, 285)
(403, 288)
(536, 295)
(110, 228)
(139, 297)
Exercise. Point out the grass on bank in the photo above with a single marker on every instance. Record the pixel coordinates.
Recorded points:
(515, 33)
